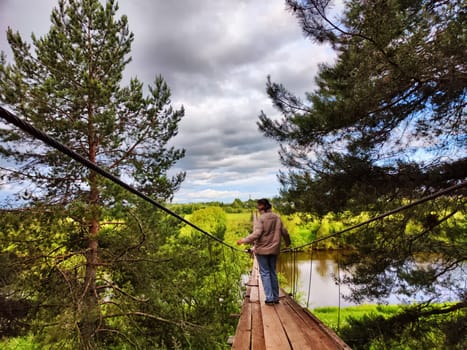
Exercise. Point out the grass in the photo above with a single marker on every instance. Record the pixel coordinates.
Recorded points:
(330, 315)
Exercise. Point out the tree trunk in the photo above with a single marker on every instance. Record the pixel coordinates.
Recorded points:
(90, 312)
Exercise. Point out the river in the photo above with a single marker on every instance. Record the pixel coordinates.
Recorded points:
(323, 289)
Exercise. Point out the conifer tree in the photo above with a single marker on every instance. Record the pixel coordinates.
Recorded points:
(387, 117)
(68, 83)
(386, 124)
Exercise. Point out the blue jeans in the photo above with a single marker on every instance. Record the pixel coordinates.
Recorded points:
(267, 271)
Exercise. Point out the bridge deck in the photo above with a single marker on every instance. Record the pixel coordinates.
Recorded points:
(283, 326)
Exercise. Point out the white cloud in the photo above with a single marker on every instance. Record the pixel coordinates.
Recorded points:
(210, 194)
(215, 55)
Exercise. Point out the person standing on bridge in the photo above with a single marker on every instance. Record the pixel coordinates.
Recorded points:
(266, 237)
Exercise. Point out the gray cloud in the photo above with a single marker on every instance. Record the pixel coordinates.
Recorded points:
(215, 55)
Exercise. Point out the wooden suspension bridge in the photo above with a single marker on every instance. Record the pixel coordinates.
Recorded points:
(283, 326)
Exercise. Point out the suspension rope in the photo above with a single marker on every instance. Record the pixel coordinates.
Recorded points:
(378, 217)
(338, 290)
(310, 278)
(294, 274)
(39, 134)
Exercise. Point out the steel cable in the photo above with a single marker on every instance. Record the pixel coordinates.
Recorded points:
(381, 216)
(39, 134)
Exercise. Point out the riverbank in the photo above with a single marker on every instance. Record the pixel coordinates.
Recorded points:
(336, 319)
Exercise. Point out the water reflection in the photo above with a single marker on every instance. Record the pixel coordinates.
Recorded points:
(317, 283)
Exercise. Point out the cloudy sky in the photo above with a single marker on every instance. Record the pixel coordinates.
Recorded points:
(216, 56)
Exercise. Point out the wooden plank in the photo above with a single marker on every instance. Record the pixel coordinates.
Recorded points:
(320, 339)
(257, 341)
(319, 333)
(253, 281)
(248, 292)
(262, 297)
(257, 332)
(254, 295)
(242, 338)
(296, 334)
(275, 337)
(330, 333)
(299, 313)
(254, 284)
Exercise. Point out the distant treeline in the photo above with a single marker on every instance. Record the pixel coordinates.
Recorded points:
(304, 228)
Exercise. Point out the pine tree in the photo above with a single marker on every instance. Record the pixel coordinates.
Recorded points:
(387, 119)
(385, 125)
(68, 83)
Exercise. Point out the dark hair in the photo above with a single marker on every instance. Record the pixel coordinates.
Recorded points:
(265, 203)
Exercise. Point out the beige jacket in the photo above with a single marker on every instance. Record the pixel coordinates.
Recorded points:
(267, 234)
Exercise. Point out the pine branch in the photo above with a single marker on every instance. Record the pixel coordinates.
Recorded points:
(180, 324)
